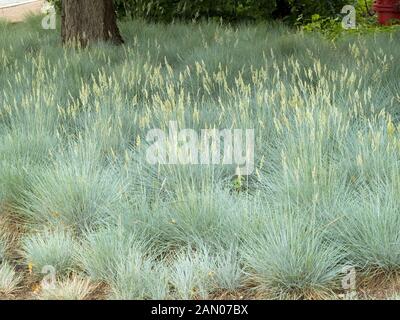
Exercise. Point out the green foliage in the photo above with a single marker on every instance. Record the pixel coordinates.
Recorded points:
(305, 9)
(327, 26)
(331, 26)
(166, 10)
(229, 10)
(49, 248)
(73, 124)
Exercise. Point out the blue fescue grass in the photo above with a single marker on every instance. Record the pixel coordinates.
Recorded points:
(73, 125)
(50, 249)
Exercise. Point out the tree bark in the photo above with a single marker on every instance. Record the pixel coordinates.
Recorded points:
(88, 21)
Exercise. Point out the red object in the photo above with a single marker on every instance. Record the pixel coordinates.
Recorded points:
(387, 10)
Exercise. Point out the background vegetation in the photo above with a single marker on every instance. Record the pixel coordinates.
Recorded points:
(76, 193)
(228, 10)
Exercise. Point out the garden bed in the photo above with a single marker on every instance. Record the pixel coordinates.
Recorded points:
(82, 201)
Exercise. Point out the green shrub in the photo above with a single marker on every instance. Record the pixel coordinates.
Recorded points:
(305, 9)
(229, 10)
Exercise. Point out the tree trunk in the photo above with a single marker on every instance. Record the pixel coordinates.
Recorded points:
(88, 21)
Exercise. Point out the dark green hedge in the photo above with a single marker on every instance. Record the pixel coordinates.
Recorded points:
(229, 10)
(167, 10)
